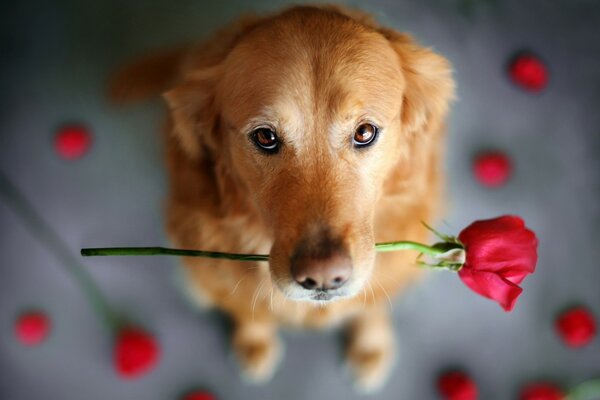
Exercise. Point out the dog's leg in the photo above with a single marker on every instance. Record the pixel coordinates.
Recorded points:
(371, 348)
(257, 347)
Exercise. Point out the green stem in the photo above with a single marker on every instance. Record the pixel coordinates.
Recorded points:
(46, 235)
(152, 251)
(407, 245)
(588, 390)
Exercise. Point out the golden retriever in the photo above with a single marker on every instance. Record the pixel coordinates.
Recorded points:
(310, 135)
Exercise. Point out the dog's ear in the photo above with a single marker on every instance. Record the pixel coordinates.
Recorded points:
(428, 91)
(194, 112)
(429, 84)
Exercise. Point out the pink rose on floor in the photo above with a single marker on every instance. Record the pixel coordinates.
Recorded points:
(199, 395)
(32, 328)
(500, 253)
(576, 327)
(492, 168)
(73, 141)
(529, 72)
(136, 352)
(541, 391)
(457, 385)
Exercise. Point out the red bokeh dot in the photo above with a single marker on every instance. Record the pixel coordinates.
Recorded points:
(199, 395)
(32, 328)
(576, 327)
(135, 353)
(541, 391)
(72, 141)
(457, 385)
(528, 71)
(492, 169)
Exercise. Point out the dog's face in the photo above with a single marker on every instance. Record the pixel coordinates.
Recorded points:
(309, 117)
(312, 133)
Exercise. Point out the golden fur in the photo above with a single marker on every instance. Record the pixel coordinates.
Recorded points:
(314, 73)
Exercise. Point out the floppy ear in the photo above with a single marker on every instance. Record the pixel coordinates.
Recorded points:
(192, 102)
(193, 112)
(429, 84)
(427, 94)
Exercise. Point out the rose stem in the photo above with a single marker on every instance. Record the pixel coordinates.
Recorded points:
(152, 251)
(46, 235)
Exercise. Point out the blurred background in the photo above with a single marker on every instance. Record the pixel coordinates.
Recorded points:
(55, 60)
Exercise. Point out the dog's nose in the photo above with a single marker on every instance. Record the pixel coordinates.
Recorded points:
(322, 273)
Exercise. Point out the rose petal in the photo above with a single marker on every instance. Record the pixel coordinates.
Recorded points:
(199, 395)
(576, 327)
(136, 352)
(503, 245)
(528, 71)
(73, 141)
(541, 391)
(32, 328)
(492, 286)
(492, 169)
(457, 385)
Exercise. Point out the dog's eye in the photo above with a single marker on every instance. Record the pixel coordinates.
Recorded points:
(365, 135)
(266, 139)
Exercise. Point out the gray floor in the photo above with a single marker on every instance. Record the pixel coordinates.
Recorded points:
(55, 58)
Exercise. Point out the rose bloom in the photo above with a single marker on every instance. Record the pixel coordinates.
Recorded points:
(457, 385)
(500, 253)
(576, 326)
(136, 352)
(541, 391)
(529, 72)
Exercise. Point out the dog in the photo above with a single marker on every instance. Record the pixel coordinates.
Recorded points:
(309, 135)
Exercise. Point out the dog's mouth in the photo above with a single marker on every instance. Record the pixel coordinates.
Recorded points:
(316, 296)
(323, 296)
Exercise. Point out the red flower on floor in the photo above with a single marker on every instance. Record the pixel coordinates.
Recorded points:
(199, 395)
(492, 169)
(457, 385)
(136, 352)
(541, 391)
(500, 253)
(32, 328)
(576, 327)
(72, 141)
(529, 72)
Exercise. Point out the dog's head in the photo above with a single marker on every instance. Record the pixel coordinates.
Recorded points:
(308, 115)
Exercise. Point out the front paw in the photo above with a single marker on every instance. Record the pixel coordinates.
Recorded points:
(258, 357)
(370, 366)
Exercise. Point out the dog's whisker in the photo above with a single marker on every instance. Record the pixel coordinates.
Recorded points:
(387, 277)
(384, 292)
(237, 285)
(255, 296)
(372, 292)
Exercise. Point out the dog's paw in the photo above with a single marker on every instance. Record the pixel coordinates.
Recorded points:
(258, 358)
(370, 367)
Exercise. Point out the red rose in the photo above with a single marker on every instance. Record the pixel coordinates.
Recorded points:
(576, 327)
(492, 169)
(500, 253)
(529, 72)
(32, 328)
(199, 395)
(135, 353)
(541, 391)
(457, 385)
(72, 141)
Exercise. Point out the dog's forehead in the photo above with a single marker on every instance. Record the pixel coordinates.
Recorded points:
(294, 71)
